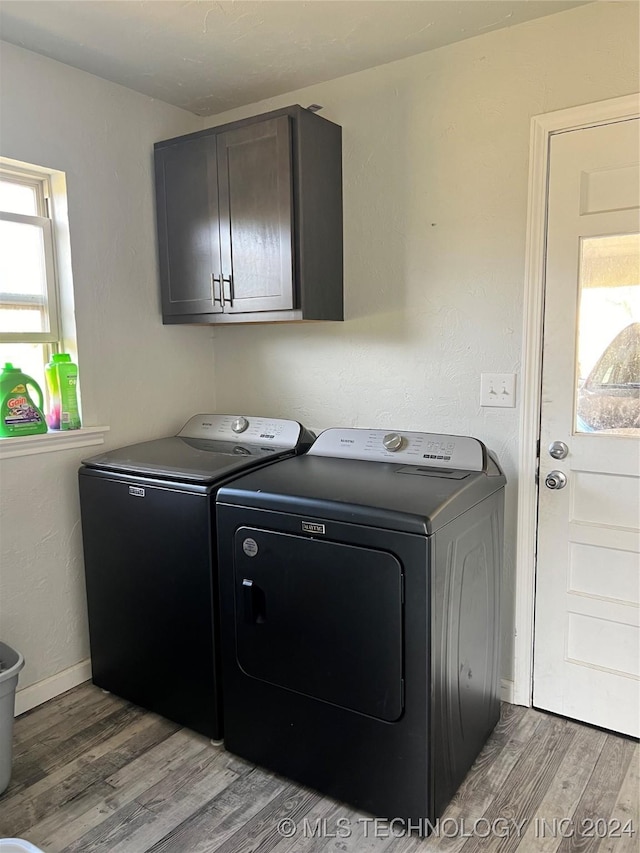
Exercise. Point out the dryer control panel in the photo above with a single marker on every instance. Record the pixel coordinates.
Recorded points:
(271, 432)
(423, 449)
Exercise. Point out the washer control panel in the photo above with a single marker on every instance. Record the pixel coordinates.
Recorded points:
(423, 449)
(274, 432)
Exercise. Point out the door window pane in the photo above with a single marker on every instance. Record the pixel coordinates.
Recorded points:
(608, 380)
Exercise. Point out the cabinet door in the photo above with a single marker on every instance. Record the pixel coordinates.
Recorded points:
(188, 235)
(256, 216)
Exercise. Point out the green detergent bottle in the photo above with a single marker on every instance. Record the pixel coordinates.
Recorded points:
(19, 415)
(62, 381)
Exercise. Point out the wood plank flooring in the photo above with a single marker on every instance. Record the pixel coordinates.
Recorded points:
(95, 774)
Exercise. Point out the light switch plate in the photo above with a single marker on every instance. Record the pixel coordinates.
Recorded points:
(498, 389)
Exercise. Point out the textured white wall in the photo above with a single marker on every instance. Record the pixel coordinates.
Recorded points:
(435, 195)
(139, 377)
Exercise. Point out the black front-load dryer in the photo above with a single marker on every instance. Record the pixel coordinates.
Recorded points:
(359, 589)
(148, 530)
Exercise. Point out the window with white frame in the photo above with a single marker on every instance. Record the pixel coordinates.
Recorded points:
(29, 301)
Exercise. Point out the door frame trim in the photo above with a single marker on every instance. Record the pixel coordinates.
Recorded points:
(542, 128)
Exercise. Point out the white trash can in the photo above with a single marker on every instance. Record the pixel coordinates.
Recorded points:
(11, 662)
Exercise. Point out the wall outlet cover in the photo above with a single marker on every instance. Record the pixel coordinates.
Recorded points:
(498, 389)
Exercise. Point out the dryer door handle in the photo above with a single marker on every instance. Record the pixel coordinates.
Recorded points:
(253, 602)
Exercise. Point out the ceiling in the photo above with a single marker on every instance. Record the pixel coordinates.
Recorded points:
(208, 57)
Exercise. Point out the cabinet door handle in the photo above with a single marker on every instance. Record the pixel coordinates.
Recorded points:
(228, 281)
(215, 279)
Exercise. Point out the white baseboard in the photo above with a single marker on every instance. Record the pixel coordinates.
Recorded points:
(507, 691)
(35, 694)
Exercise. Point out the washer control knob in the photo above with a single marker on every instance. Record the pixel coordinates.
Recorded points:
(240, 425)
(392, 441)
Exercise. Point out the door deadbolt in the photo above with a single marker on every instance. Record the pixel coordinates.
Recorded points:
(555, 480)
(559, 450)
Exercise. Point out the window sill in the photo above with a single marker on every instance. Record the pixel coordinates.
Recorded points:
(51, 441)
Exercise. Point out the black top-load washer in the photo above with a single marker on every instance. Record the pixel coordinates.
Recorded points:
(149, 537)
(359, 591)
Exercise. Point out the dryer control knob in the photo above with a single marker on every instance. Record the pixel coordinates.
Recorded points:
(240, 425)
(392, 441)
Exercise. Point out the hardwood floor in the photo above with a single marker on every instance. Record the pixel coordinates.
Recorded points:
(92, 773)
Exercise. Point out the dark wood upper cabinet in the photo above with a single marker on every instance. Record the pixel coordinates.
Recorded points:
(256, 215)
(250, 221)
(189, 247)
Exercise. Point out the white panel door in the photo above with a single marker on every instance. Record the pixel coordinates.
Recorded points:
(587, 636)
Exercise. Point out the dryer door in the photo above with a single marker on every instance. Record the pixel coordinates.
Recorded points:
(320, 618)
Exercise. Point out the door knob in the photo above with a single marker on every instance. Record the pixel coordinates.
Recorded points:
(559, 450)
(555, 480)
